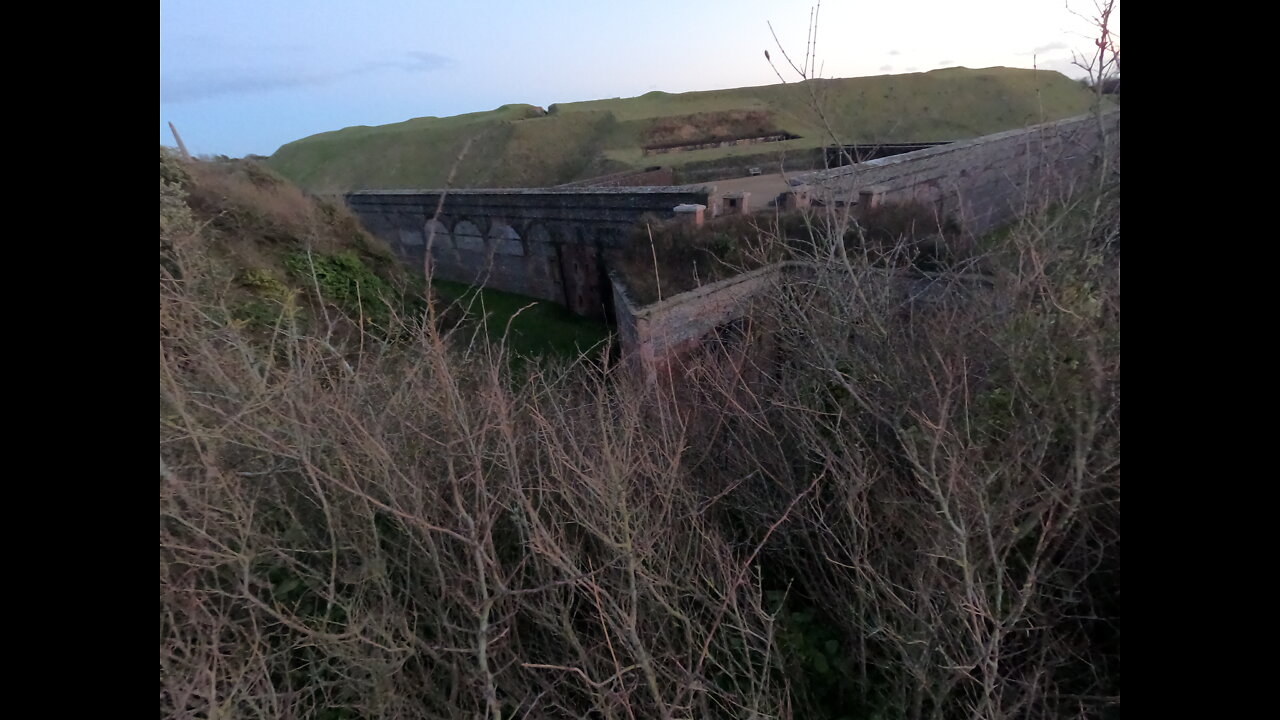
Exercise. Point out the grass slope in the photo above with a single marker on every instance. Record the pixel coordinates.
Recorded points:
(266, 249)
(529, 327)
(523, 146)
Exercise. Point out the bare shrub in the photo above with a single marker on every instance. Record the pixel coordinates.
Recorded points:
(964, 534)
(677, 257)
(887, 492)
(360, 529)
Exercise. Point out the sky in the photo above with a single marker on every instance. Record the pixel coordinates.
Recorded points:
(244, 77)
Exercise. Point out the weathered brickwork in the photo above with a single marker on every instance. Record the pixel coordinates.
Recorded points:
(981, 182)
(984, 181)
(544, 243)
(654, 334)
(550, 243)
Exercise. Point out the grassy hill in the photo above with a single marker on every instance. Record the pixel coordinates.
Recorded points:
(525, 146)
(272, 261)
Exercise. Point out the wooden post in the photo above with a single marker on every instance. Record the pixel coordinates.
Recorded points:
(181, 148)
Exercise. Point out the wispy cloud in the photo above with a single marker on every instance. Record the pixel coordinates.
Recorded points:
(886, 68)
(415, 62)
(945, 63)
(1047, 49)
(201, 84)
(894, 52)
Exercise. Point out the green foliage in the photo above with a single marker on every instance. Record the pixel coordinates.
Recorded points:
(256, 314)
(818, 661)
(529, 327)
(265, 284)
(812, 643)
(175, 214)
(346, 281)
(171, 169)
(272, 299)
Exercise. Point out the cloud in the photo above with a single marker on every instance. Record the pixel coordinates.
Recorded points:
(945, 63)
(886, 68)
(201, 84)
(417, 62)
(894, 52)
(913, 69)
(1047, 49)
(230, 81)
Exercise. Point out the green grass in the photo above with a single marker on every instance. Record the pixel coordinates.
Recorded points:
(523, 146)
(536, 327)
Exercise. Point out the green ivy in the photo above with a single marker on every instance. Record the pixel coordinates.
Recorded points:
(346, 281)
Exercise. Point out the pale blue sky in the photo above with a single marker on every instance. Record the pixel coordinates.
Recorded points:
(246, 76)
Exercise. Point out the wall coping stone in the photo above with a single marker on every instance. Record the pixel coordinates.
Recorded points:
(641, 190)
(960, 145)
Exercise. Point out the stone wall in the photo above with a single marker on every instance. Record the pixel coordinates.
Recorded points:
(980, 182)
(543, 243)
(550, 243)
(983, 181)
(656, 334)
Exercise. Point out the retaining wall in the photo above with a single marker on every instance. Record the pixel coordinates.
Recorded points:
(984, 181)
(652, 335)
(544, 243)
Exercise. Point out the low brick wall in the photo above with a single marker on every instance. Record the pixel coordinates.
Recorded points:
(655, 334)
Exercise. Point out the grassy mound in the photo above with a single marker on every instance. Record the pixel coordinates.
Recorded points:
(523, 146)
(267, 258)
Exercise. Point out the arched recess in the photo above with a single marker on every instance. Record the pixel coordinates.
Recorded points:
(504, 239)
(499, 230)
(437, 234)
(467, 236)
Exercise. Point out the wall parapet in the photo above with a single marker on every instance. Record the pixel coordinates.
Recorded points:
(653, 336)
(546, 243)
(550, 191)
(983, 181)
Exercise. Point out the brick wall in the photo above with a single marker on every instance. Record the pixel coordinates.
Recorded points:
(543, 243)
(655, 334)
(984, 181)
